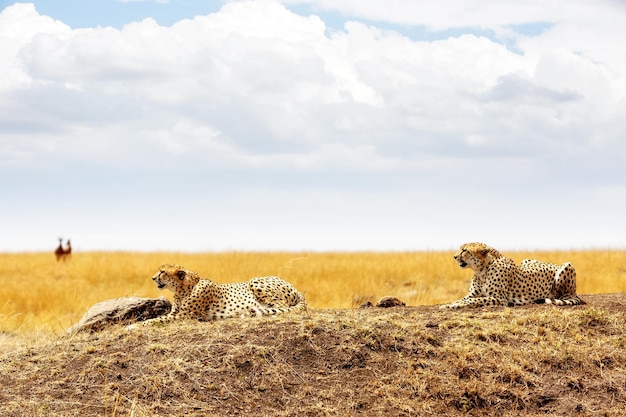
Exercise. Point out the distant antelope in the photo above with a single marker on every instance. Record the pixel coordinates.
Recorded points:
(63, 253)
(59, 253)
(68, 250)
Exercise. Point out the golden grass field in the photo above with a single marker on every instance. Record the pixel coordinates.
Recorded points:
(331, 360)
(39, 295)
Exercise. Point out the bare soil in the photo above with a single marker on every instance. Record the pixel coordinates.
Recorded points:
(401, 361)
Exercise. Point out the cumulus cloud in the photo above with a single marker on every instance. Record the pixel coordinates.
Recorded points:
(256, 94)
(265, 80)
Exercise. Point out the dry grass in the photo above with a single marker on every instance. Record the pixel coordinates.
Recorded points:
(39, 295)
(331, 361)
(411, 361)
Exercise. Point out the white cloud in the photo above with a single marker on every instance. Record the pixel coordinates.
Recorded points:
(258, 96)
(255, 73)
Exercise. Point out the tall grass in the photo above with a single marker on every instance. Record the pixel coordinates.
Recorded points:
(39, 294)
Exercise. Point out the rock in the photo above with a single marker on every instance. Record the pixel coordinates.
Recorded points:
(121, 311)
(384, 302)
(390, 302)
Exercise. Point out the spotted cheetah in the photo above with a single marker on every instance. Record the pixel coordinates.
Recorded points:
(498, 280)
(204, 300)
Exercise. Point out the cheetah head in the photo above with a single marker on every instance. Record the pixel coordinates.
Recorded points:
(169, 276)
(476, 256)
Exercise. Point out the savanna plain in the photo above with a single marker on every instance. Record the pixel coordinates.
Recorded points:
(334, 360)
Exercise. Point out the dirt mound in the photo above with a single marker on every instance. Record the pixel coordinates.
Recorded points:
(401, 361)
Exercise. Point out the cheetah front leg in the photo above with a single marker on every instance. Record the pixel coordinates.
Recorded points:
(475, 302)
(174, 315)
(157, 321)
(479, 296)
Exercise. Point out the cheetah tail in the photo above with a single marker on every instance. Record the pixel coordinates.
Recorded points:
(300, 305)
(563, 301)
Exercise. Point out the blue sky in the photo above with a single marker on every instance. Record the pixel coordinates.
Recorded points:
(312, 125)
(92, 13)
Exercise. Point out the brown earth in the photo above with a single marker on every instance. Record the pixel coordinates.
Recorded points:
(402, 361)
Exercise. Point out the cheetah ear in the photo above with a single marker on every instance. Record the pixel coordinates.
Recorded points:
(180, 274)
(484, 252)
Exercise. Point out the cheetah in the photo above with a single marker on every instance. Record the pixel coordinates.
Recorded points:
(498, 281)
(205, 300)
